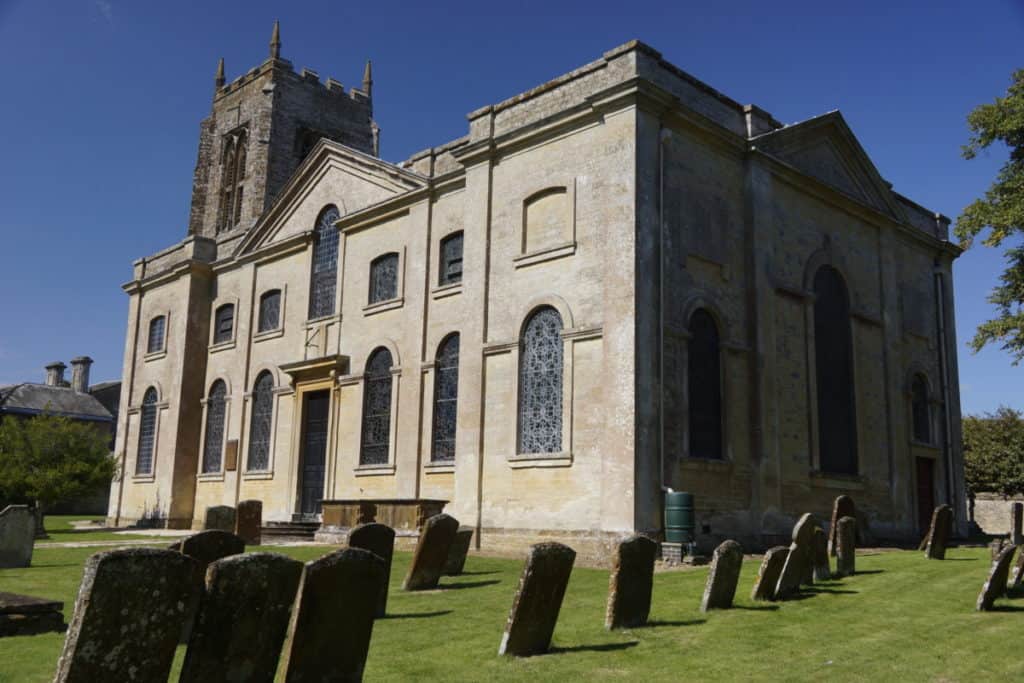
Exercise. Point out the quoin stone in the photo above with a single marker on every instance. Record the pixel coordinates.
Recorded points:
(458, 551)
(846, 546)
(842, 506)
(720, 588)
(249, 521)
(531, 621)
(822, 568)
(995, 586)
(17, 536)
(768, 574)
(379, 539)
(431, 553)
(630, 583)
(220, 517)
(939, 532)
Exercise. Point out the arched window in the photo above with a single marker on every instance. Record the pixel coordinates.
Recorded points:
(451, 259)
(213, 441)
(147, 433)
(374, 448)
(540, 383)
(833, 351)
(157, 332)
(223, 323)
(259, 426)
(232, 179)
(325, 264)
(446, 399)
(704, 385)
(384, 278)
(270, 311)
(920, 409)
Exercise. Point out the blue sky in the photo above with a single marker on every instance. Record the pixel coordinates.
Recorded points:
(101, 102)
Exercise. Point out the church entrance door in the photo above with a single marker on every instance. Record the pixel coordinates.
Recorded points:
(925, 493)
(314, 451)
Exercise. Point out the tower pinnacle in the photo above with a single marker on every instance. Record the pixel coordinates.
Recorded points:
(275, 41)
(218, 80)
(368, 79)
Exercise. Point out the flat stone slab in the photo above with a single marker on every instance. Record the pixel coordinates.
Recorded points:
(12, 603)
(431, 554)
(768, 575)
(17, 536)
(379, 539)
(939, 531)
(995, 586)
(630, 583)
(32, 623)
(531, 621)
(720, 588)
(458, 551)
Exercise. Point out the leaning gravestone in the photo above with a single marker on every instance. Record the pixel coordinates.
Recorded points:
(842, 507)
(939, 532)
(995, 586)
(822, 570)
(210, 546)
(768, 574)
(130, 610)
(531, 622)
(1017, 573)
(24, 615)
(220, 517)
(242, 620)
(457, 552)
(330, 630)
(431, 553)
(379, 539)
(630, 583)
(996, 547)
(720, 588)
(249, 521)
(846, 546)
(17, 536)
(798, 567)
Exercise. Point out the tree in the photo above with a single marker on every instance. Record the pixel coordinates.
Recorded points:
(1001, 211)
(994, 452)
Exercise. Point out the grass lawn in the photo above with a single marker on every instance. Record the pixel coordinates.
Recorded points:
(902, 618)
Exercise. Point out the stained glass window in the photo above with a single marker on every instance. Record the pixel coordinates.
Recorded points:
(157, 329)
(704, 387)
(213, 442)
(376, 409)
(223, 323)
(259, 426)
(446, 399)
(921, 413)
(540, 383)
(325, 265)
(147, 433)
(384, 278)
(833, 353)
(270, 310)
(451, 259)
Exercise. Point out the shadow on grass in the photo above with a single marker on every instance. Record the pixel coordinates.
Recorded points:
(467, 584)
(475, 573)
(757, 608)
(656, 623)
(417, 615)
(837, 591)
(868, 571)
(606, 647)
(957, 559)
(1005, 608)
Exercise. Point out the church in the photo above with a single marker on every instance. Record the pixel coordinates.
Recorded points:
(619, 283)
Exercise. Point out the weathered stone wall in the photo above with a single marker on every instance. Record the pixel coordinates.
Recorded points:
(992, 512)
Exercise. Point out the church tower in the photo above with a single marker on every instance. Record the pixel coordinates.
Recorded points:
(260, 129)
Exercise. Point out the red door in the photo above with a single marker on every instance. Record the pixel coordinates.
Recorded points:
(925, 493)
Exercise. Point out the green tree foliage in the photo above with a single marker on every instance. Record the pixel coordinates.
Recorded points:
(1001, 211)
(994, 452)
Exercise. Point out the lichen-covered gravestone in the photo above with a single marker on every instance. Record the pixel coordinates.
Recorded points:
(220, 517)
(379, 539)
(630, 583)
(720, 588)
(531, 622)
(332, 621)
(130, 610)
(249, 521)
(458, 551)
(431, 553)
(798, 566)
(995, 586)
(842, 507)
(768, 574)
(846, 546)
(822, 569)
(17, 536)
(210, 546)
(939, 532)
(242, 620)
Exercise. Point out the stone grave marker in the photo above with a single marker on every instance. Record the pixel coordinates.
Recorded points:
(846, 546)
(130, 610)
(939, 532)
(249, 521)
(220, 517)
(1017, 573)
(17, 536)
(210, 546)
(531, 621)
(842, 506)
(630, 583)
(1016, 519)
(995, 586)
(24, 615)
(379, 539)
(332, 621)
(995, 547)
(242, 620)
(798, 567)
(720, 588)
(822, 568)
(458, 551)
(768, 575)
(431, 553)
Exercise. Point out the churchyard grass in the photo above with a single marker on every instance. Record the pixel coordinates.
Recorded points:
(901, 617)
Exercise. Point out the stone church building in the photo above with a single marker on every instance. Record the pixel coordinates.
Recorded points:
(619, 282)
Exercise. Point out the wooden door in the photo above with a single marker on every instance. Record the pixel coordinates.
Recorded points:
(314, 451)
(925, 493)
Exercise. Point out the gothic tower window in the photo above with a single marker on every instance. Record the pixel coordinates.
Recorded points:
(232, 180)
(147, 433)
(540, 383)
(704, 387)
(376, 436)
(833, 351)
(451, 259)
(325, 264)
(213, 441)
(446, 399)
(270, 311)
(384, 278)
(259, 426)
(921, 414)
(223, 323)
(157, 332)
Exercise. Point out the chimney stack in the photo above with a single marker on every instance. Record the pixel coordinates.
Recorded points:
(55, 374)
(80, 374)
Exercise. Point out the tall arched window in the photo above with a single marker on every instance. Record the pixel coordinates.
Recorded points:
(147, 433)
(223, 323)
(920, 409)
(704, 385)
(833, 351)
(384, 278)
(213, 441)
(374, 448)
(270, 311)
(259, 425)
(540, 383)
(232, 180)
(324, 279)
(446, 399)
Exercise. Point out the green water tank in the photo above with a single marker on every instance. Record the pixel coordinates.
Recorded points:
(679, 520)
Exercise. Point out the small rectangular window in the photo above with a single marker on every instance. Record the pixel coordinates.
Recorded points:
(451, 259)
(270, 311)
(224, 323)
(157, 328)
(384, 278)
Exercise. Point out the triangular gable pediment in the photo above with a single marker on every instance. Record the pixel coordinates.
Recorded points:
(332, 173)
(825, 148)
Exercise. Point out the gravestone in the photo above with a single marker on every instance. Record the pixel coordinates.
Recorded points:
(221, 517)
(249, 521)
(17, 536)
(1017, 573)
(768, 575)
(242, 620)
(379, 539)
(329, 634)
(846, 546)
(130, 610)
(531, 621)
(842, 506)
(939, 532)
(457, 552)
(822, 570)
(720, 588)
(995, 547)
(798, 567)
(630, 583)
(995, 586)
(431, 553)
(24, 615)
(1016, 519)
(210, 546)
